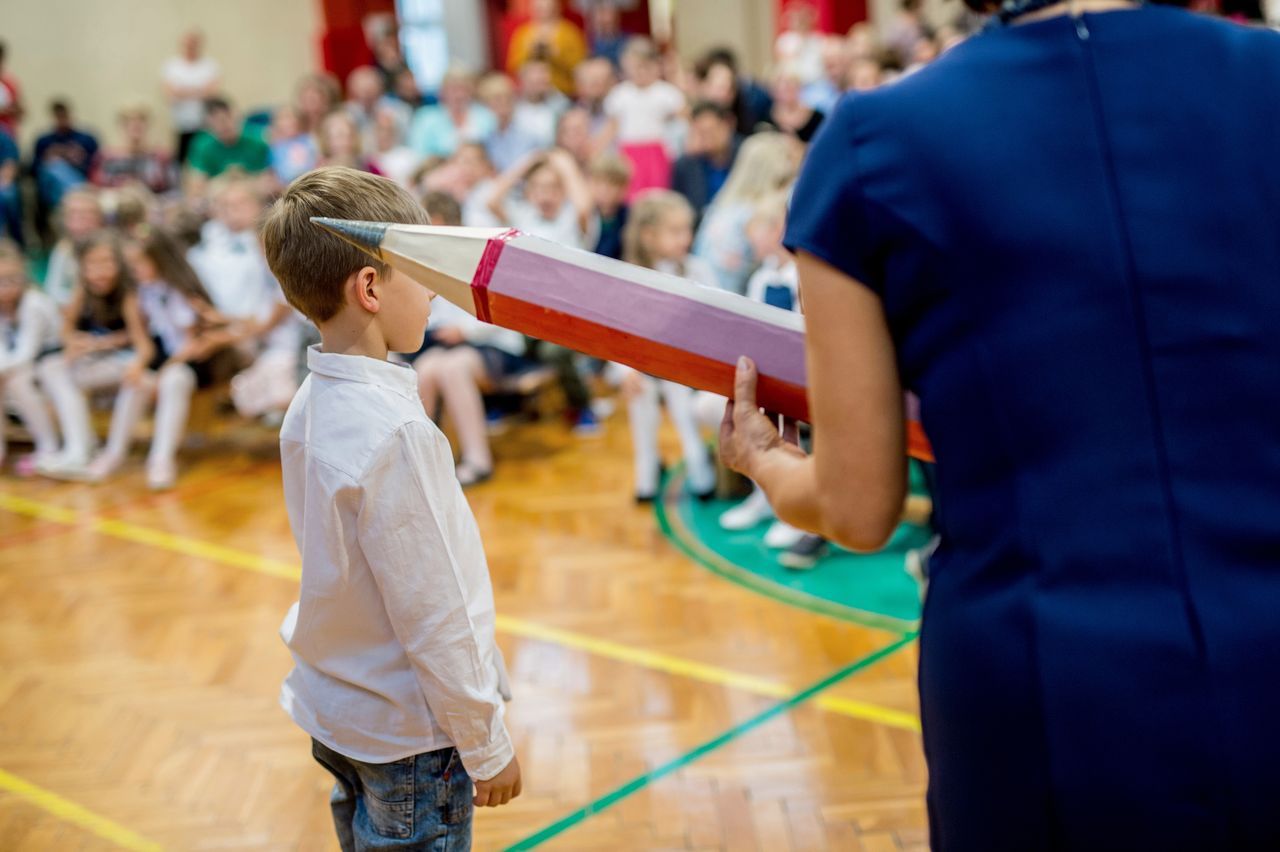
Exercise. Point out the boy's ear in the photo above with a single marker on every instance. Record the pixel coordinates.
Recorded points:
(365, 290)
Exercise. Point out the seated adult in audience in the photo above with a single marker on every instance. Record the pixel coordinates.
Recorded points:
(365, 95)
(837, 58)
(437, 130)
(188, 79)
(717, 80)
(604, 25)
(404, 88)
(550, 37)
(136, 161)
(63, 157)
(790, 114)
(540, 103)
(10, 190)
(224, 145)
(710, 151)
(509, 141)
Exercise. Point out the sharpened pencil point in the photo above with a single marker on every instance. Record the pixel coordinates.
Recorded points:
(363, 235)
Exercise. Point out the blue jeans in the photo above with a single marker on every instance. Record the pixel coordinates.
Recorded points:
(421, 803)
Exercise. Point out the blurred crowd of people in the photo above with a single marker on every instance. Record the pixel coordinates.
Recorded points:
(155, 284)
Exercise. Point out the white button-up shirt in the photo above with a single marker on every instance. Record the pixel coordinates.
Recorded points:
(392, 636)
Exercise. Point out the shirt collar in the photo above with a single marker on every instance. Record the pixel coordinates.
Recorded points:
(359, 368)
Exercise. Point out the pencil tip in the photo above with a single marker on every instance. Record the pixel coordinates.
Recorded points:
(363, 235)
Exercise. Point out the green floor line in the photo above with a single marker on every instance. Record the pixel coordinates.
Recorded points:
(867, 590)
(635, 785)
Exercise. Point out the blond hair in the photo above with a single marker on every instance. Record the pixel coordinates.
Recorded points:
(313, 265)
(494, 83)
(766, 163)
(648, 210)
(771, 209)
(610, 168)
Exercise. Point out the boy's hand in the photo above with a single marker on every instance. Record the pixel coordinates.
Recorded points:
(499, 789)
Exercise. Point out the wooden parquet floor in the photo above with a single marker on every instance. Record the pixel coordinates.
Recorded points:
(140, 663)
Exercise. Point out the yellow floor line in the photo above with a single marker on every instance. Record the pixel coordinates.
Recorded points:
(68, 811)
(666, 663)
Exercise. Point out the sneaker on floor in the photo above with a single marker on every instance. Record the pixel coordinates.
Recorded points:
(603, 408)
(469, 474)
(747, 514)
(63, 466)
(782, 536)
(101, 468)
(161, 476)
(586, 425)
(805, 554)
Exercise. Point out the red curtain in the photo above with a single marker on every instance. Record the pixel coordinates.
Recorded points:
(342, 46)
(834, 16)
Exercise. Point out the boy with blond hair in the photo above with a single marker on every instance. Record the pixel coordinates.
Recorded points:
(397, 677)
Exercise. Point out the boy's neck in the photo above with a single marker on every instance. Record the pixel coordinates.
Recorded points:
(352, 335)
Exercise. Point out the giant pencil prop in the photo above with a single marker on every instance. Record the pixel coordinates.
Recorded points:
(658, 324)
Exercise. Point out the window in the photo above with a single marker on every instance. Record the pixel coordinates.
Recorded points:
(424, 40)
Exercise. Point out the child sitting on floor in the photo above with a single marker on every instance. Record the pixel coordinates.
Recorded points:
(30, 328)
(397, 677)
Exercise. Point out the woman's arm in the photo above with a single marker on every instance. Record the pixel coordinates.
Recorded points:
(851, 489)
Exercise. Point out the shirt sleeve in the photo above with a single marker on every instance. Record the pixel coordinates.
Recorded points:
(406, 532)
(30, 332)
(827, 213)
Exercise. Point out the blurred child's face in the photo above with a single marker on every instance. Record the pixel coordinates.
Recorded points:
(405, 310)
(544, 190)
(501, 101)
(607, 195)
(865, 75)
(455, 94)
(135, 126)
(671, 237)
(238, 209)
(472, 164)
(284, 124)
(80, 217)
(100, 271)
(223, 124)
(13, 280)
(710, 134)
(786, 89)
(535, 80)
(765, 236)
(594, 78)
(340, 137)
(386, 130)
(574, 133)
(641, 70)
(141, 266)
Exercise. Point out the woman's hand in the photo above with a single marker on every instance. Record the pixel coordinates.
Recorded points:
(747, 436)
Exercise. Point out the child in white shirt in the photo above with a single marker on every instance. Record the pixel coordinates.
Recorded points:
(641, 109)
(30, 326)
(397, 677)
(556, 202)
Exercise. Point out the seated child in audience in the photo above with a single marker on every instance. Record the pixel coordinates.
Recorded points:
(776, 283)
(509, 141)
(540, 103)
(390, 155)
(79, 215)
(641, 108)
(293, 151)
(30, 328)
(105, 345)
(230, 263)
(397, 676)
(610, 176)
(341, 143)
(658, 235)
(557, 203)
(467, 358)
(193, 341)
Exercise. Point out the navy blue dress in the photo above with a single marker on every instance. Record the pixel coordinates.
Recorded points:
(1074, 228)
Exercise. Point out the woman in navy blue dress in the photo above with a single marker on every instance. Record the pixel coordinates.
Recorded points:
(1064, 236)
